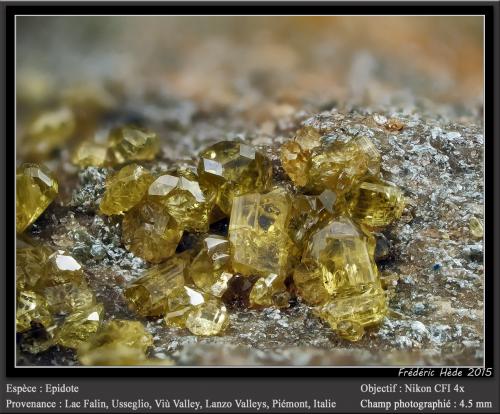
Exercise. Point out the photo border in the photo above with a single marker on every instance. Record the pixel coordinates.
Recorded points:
(488, 9)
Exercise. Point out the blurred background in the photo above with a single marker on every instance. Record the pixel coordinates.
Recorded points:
(248, 65)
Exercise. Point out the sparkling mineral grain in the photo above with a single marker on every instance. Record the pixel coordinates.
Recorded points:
(132, 144)
(349, 315)
(258, 233)
(183, 199)
(228, 169)
(210, 270)
(29, 262)
(125, 189)
(210, 318)
(150, 232)
(79, 326)
(118, 342)
(148, 295)
(36, 188)
(377, 204)
(308, 138)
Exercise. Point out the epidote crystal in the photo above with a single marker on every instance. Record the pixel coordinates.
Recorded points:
(148, 295)
(29, 262)
(183, 199)
(49, 131)
(349, 315)
(258, 232)
(79, 326)
(295, 162)
(228, 169)
(118, 342)
(340, 164)
(377, 204)
(340, 256)
(179, 305)
(31, 307)
(210, 270)
(36, 188)
(210, 318)
(269, 291)
(125, 189)
(132, 144)
(90, 154)
(150, 232)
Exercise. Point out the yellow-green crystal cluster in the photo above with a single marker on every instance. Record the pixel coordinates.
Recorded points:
(36, 188)
(52, 292)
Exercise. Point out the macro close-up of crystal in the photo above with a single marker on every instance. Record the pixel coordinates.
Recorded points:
(170, 220)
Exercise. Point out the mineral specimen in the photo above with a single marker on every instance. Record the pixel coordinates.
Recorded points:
(296, 162)
(210, 318)
(343, 254)
(228, 169)
(258, 232)
(118, 342)
(31, 307)
(90, 154)
(36, 188)
(148, 295)
(183, 199)
(132, 144)
(377, 204)
(476, 228)
(79, 326)
(150, 232)
(125, 189)
(350, 314)
(180, 303)
(269, 291)
(28, 266)
(210, 270)
(49, 131)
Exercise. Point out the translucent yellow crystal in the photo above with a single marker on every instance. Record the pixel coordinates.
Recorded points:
(377, 204)
(49, 131)
(228, 169)
(79, 326)
(31, 307)
(258, 232)
(118, 342)
(210, 318)
(148, 295)
(311, 285)
(476, 228)
(342, 253)
(180, 303)
(36, 188)
(63, 284)
(183, 199)
(210, 270)
(295, 162)
(125, 189)
(371, 153)
(270, 291)
(150, 232)
(349, 315)
(90, 154)
(29, 266)
(132, 144)
(341, 164)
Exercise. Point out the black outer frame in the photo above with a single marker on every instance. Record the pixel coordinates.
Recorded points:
(491, 12)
